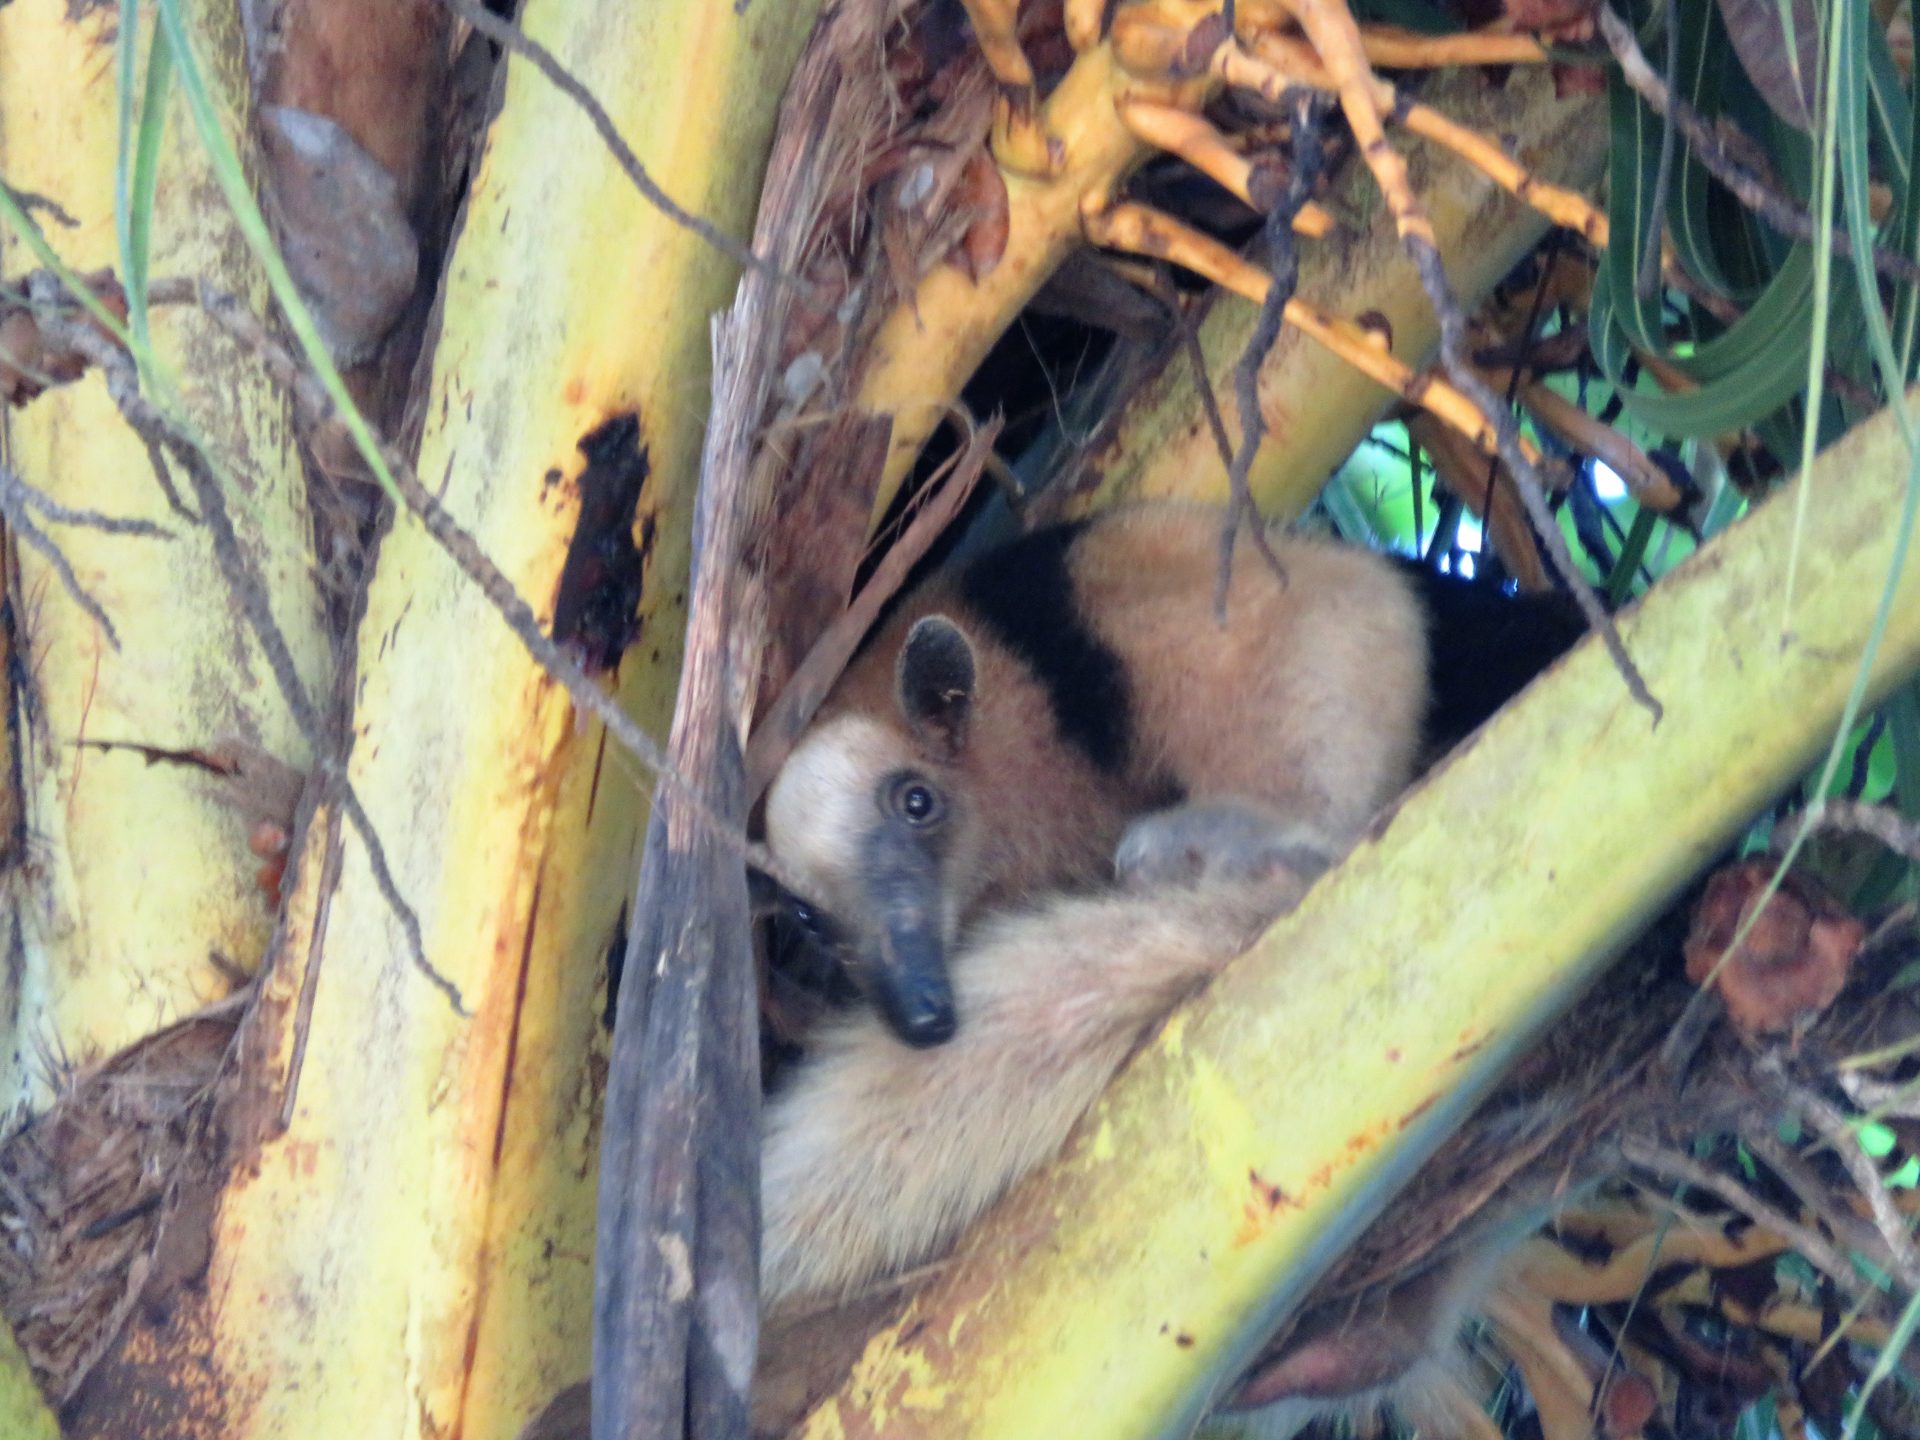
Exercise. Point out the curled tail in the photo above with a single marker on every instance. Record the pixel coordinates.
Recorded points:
(877, 1156)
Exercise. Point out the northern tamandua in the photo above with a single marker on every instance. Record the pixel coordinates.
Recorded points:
(996, 737)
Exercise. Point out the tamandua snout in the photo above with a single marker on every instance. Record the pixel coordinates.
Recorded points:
(999, 734)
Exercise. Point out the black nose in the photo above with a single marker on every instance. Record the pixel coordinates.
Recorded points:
(928, 1024)
(917, 1005)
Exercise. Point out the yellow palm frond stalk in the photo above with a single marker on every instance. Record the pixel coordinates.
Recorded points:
(130, 886)
(23, 1412)
(403, 1245)
(1141, 86)
(1113, 1292)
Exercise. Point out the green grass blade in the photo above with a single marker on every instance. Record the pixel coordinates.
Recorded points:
(1771, 377)
(1620, 582)
(225, 164)
(136, 226)
(31, 235)
(1906, 239)
(126, 62)
(1883, 1366)
(1690, 205)
(1844, 152)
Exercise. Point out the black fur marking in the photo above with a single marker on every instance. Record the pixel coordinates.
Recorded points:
(1486, 646)
(934, 682)
(1024, 594)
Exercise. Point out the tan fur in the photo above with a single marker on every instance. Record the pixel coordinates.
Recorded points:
(1309, 700)
(877, 1156)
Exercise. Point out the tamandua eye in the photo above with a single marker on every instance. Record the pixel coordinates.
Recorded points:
(806, 917)
(917, 802)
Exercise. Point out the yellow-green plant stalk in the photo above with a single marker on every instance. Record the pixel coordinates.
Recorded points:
(404, 1247)
(132, 899)
(23, 1410)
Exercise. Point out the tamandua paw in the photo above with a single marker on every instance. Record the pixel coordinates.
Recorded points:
(1218, 840)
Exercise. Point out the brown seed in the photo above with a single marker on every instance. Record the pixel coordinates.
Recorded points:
(268, 839)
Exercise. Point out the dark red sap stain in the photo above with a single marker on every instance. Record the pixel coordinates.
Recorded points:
(605, 572)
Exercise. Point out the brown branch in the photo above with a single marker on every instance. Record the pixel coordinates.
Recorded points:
(1252, 178)
(1331, 29)
(14, 489)
(1284, 267)
(1335, 36)
(1135, 228)
(1839, 1132)
(1277, 64)
(1777, 210)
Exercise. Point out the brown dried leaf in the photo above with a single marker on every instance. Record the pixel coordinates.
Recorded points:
(1761, 42)
(981, 193)
(28, 364)
(22, 359)
(1796, 954)
(376, 67)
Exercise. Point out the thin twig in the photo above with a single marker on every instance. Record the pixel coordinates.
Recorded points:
(1814, 1247)
(163, 477)
(1777, 210)
(123, 385)
(17, 518)
(1839, 1132)
(1527, 483)
(1189, 336)
(1528, 336)
(1881, 1098)
(512, 38)
(1335, 36)
(30, 201)
(1799, 1177)
(1879, 822)
(316, 409)
(1303, 170)
(13, 488)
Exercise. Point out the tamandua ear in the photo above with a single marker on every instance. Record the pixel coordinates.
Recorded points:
(934, 683)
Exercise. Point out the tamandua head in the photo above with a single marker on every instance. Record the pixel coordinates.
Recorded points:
(869, 815)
